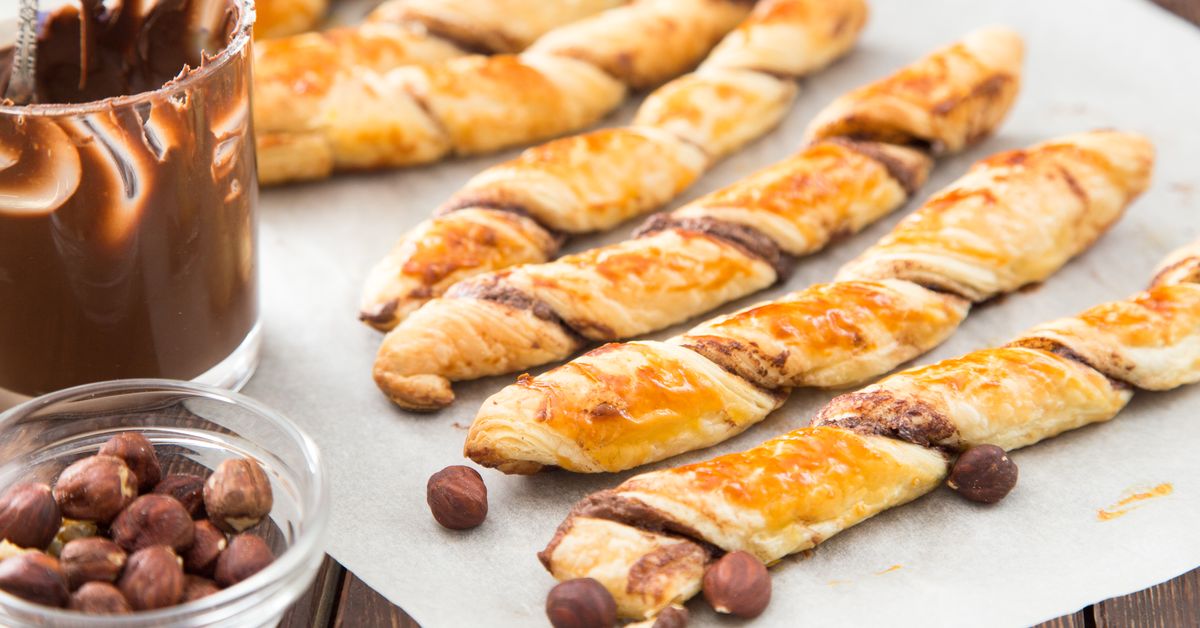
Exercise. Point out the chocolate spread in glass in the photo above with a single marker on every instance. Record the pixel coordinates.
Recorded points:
(127, 232)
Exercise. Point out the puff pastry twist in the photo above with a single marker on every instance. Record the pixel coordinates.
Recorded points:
(364, 111)
(719, 248)
(649, 539)
(277, 18)
(1013, 219)
(593, 181)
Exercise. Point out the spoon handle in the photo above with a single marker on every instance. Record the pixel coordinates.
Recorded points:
(21, 80)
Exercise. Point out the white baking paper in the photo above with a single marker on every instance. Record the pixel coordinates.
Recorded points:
(1041, 553)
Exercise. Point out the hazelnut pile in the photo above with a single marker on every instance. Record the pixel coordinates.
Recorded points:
(114, 536)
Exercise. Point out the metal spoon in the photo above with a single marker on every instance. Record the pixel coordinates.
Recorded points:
(21, 79)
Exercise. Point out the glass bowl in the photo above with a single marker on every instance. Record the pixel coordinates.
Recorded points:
(192, 426)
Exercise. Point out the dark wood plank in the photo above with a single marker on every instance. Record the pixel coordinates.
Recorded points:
(1074, 620)
(361, 606)
(316, 607)
(1170, 604)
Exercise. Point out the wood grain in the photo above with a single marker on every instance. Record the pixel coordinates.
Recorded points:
(1074, 620)
(316, 607)
(361, 606)
(1170, 604)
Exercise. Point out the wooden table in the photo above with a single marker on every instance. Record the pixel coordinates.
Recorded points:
(338, 598)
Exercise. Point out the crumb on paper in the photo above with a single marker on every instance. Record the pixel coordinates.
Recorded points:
(1132, 501)
(460, 426)
(1184, 189)
(889, 570)
(836, 583)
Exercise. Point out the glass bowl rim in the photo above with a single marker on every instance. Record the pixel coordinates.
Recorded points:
(237, 43)
(315, 499)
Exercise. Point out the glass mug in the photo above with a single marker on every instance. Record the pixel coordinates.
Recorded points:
(128, 234)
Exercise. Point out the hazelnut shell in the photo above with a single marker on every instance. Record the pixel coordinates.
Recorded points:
(188, 489)
(153, 578)
(92, 559)
(29, 516)
(100, 598)
(35, 577)
(95, 488)
(208, 543)
(238, 495)
(983, 474)
(738, 584)
(457, 497)
(138, 454)
(581, 603)
(671, 617)
(196, 587)
(153, 520)
(245, 556)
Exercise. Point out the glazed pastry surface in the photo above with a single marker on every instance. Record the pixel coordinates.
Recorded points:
(278, 18)
(720, 247)
(1014, 218)
(594, 181)
(321, 100)
(402, 89)
(855, 329)
(864, 452)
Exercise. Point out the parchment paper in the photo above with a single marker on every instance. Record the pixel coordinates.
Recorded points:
(939, 561)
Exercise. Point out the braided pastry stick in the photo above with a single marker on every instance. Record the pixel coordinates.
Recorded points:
(465, 105)
(593, 181)
(1013, 219)
(649, 539)
(721, 247)
(277, 18)
(295, 76)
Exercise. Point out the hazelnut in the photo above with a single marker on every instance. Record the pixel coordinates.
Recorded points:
(208, 544)
(35, 577)
(983, 474)
(581, 603)
(153, 578)
(29, 516)
(139, 456)
(153, 520)
(237, 495)
(195, 587)
(245, 556)
(92, 559)
(95, 488)
(738, 584)
(100, 598)
(671, 617)
(188, 489)
(457, 497)
(70, 530)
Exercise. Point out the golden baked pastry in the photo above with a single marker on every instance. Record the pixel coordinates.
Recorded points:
(371, 113)
(721, 247)
(1073, 189)
(278, 18)
(1151, 340)
(648, 540)
(298, 80)
(827, 335)
(593, 181)
(936, 103)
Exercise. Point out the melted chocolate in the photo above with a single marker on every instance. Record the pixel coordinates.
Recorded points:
(748, 239)
(127, 232)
